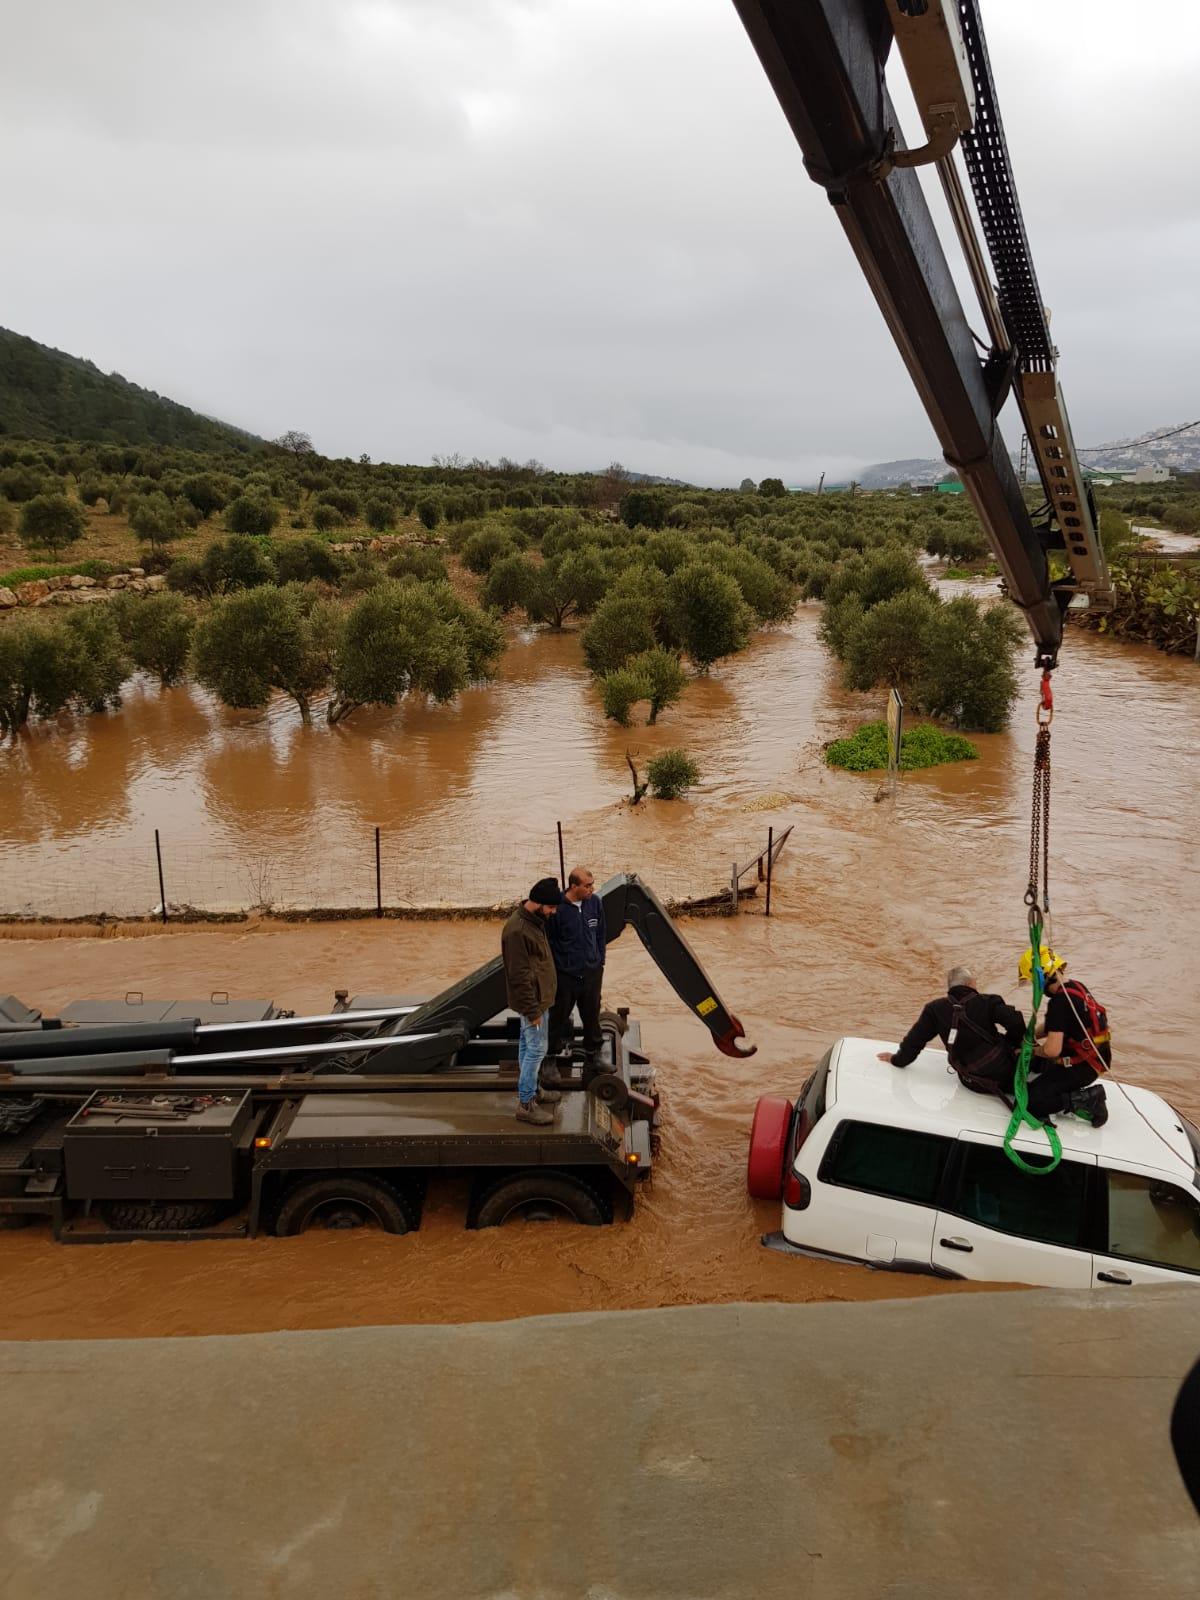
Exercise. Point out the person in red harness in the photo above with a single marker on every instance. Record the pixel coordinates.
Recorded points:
(1075, 1046)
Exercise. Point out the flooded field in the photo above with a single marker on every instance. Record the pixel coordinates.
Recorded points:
(874, 901)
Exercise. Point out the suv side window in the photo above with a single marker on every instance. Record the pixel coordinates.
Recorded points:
(898, 1162)
(1050, 1208)
(1152, 1221)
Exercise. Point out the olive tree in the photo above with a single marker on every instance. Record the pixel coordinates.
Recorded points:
(157, 630)
(708, 616)
(52, 522)
(406, 637)
(266, 639)
(155, 520)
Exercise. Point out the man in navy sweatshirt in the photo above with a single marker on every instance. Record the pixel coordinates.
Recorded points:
(577, 941)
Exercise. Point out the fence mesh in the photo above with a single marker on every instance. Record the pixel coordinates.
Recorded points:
(337, 872)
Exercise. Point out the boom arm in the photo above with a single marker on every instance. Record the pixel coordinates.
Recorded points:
(628, 902)
(825, 60)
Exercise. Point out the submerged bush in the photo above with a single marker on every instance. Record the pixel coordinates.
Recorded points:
(672, 773)
(866, 750)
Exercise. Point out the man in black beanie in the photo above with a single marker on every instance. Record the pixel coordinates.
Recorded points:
(530, 979)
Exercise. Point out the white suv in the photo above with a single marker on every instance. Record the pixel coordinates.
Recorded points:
(904, 1169)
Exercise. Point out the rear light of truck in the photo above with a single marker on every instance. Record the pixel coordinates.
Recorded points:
(797, 1191)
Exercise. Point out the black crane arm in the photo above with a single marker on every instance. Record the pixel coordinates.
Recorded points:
(628, 902)
(825, 60)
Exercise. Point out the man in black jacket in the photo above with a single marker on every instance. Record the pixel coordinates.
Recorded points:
(982, 1034)
(577, 943)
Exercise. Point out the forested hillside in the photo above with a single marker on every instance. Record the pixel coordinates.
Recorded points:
(47, 394)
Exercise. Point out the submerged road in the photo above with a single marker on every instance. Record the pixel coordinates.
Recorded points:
(985, 1445)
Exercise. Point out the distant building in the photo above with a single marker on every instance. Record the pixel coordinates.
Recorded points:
(1151, 474)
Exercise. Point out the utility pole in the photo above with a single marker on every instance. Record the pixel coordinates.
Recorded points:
(820, 483)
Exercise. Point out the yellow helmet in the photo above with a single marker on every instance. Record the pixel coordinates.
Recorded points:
(1050, 963)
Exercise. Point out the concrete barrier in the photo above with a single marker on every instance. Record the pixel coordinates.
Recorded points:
(990, 1445)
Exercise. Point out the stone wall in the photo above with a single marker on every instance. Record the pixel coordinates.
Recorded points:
(77, 589)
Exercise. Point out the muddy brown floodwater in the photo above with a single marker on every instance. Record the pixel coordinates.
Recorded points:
(873, 902)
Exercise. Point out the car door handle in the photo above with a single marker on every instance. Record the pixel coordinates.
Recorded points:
(1114, 1277)
(956, 1243)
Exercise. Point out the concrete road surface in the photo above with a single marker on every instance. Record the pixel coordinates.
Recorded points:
(991, 1445)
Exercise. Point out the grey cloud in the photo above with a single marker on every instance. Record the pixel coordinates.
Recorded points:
(575, 230)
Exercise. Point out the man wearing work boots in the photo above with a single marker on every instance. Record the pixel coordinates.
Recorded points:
(577, 943)
(982, 1034)
(530, 981)
(1074, 1048)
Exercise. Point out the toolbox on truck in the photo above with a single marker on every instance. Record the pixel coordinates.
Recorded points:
(155, 1146)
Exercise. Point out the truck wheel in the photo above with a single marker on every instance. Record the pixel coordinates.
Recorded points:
(768, 1142)
(159, 1216)
(344, 1202)
(541, 1197)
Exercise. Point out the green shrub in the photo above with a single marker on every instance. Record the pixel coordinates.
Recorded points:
(239, 562)
(968, 676)
(482, 549)
(419, 562)
(510, 581)
(325, 517)
(305, 561)
(619, 693)
(343, 500)
(252, 514)
(204, 492)
(921, 746)
(672, 773)
(430, 512)
(381, 513)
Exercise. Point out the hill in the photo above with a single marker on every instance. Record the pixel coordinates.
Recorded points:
(1175, 446)
(47, 394)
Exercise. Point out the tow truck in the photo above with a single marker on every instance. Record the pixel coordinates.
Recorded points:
(135, 1118)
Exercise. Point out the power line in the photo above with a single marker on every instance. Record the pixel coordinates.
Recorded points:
(1093, 449)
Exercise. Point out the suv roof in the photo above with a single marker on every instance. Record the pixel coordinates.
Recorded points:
(1141, 1128)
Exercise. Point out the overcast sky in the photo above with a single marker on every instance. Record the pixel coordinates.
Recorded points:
(572, 229)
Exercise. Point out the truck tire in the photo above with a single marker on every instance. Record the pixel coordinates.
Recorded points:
(345, 1202)
(541, 1197)
(159, 1216)
(768, 1143)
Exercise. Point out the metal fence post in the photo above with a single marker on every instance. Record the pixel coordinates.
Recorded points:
(770, 854)
(562, 862)
(378, 879)
(733, 890)
(162, 893)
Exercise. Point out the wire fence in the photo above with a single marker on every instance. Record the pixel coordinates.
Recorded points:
(159, 875)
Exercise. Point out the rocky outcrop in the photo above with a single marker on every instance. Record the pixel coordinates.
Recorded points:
(33, 593)
(7, 599)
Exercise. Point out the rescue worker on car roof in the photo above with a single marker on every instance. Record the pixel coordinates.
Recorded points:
(1074, 1047)
(982, 1034)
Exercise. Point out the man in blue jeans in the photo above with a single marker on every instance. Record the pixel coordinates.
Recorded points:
(577, 942)
(531, 983)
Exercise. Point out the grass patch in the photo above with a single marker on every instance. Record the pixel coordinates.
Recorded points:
(922, 746)
(86, 569)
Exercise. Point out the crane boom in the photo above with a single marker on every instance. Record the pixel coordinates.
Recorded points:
(825, 60)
